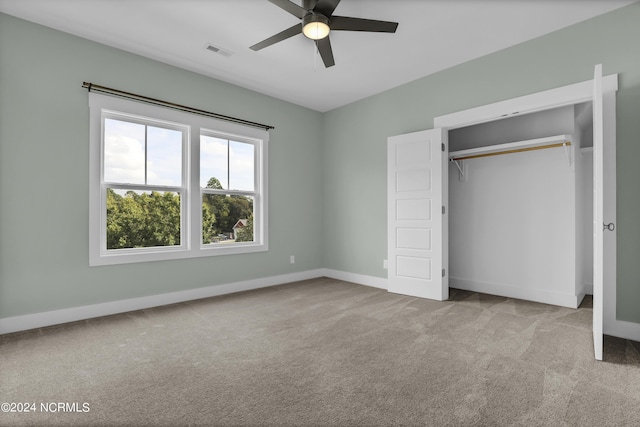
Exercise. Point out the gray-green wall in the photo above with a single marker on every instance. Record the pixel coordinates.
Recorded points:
(44, 190)
(44, 159)
(355, 136)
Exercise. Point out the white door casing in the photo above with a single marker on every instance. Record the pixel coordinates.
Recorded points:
(417, 227)
(598, 213)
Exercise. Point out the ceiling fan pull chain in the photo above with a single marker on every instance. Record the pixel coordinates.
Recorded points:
(316, 52)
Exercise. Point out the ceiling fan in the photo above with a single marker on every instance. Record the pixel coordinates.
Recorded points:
(317, 21)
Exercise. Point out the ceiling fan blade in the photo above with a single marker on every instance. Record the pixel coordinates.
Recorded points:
(326, 7)
(290, 7)
(358, 24)
(326, 53)
(283, 35)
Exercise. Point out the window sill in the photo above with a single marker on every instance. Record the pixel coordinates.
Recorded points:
(165, 254)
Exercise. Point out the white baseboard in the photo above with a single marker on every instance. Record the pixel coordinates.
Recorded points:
(554, 298)
(361, 279)
(39, 320)
(617, 328)
(622, 329)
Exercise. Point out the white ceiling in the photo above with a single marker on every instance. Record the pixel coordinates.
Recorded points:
(432, 35)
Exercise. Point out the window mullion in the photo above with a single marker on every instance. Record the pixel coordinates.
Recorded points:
(193, 184)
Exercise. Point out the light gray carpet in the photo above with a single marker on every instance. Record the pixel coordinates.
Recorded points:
(326, 352)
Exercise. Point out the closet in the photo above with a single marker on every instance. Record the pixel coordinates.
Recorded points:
(520, 206)
(514, 198)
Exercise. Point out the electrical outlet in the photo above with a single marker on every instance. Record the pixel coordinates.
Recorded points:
(292, 259)
(385, 264)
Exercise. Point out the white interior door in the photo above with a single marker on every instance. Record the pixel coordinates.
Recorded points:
(417, 227)
(598, 212)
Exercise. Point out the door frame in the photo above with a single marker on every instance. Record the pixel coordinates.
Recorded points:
(549, 99)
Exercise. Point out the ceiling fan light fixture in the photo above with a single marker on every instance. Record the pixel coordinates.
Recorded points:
(315, 26)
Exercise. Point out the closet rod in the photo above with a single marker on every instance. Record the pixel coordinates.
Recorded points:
(516, 150)
(110, 91)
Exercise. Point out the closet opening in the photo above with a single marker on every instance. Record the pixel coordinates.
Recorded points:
(510, 214)
(520, 206)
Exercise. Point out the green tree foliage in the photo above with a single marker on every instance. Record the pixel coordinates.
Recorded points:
(239, 207)
(220, 214)
(153, 219)
(226, 211)
(214, 212)
(209, 229)
(214, 183)
(142, 220)
(245, 234)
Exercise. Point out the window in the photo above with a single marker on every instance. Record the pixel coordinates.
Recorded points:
(167, 184)
(143, 180)
(227, 181)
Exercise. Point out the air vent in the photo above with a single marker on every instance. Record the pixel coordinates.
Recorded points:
(218, 50)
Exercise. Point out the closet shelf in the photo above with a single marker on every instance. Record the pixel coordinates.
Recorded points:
(512, 147)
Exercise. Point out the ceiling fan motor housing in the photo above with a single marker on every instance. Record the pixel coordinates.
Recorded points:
(315, 26)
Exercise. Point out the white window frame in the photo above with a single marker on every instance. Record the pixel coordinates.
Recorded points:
(101, 106)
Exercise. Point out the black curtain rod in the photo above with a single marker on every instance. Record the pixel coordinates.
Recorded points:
(102, 89)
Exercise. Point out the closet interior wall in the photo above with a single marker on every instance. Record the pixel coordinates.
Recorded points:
(517, 222)
(583, 135)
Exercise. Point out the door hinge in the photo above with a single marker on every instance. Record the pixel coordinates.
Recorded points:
(443, 147)
(444, 272)
(443, 210)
